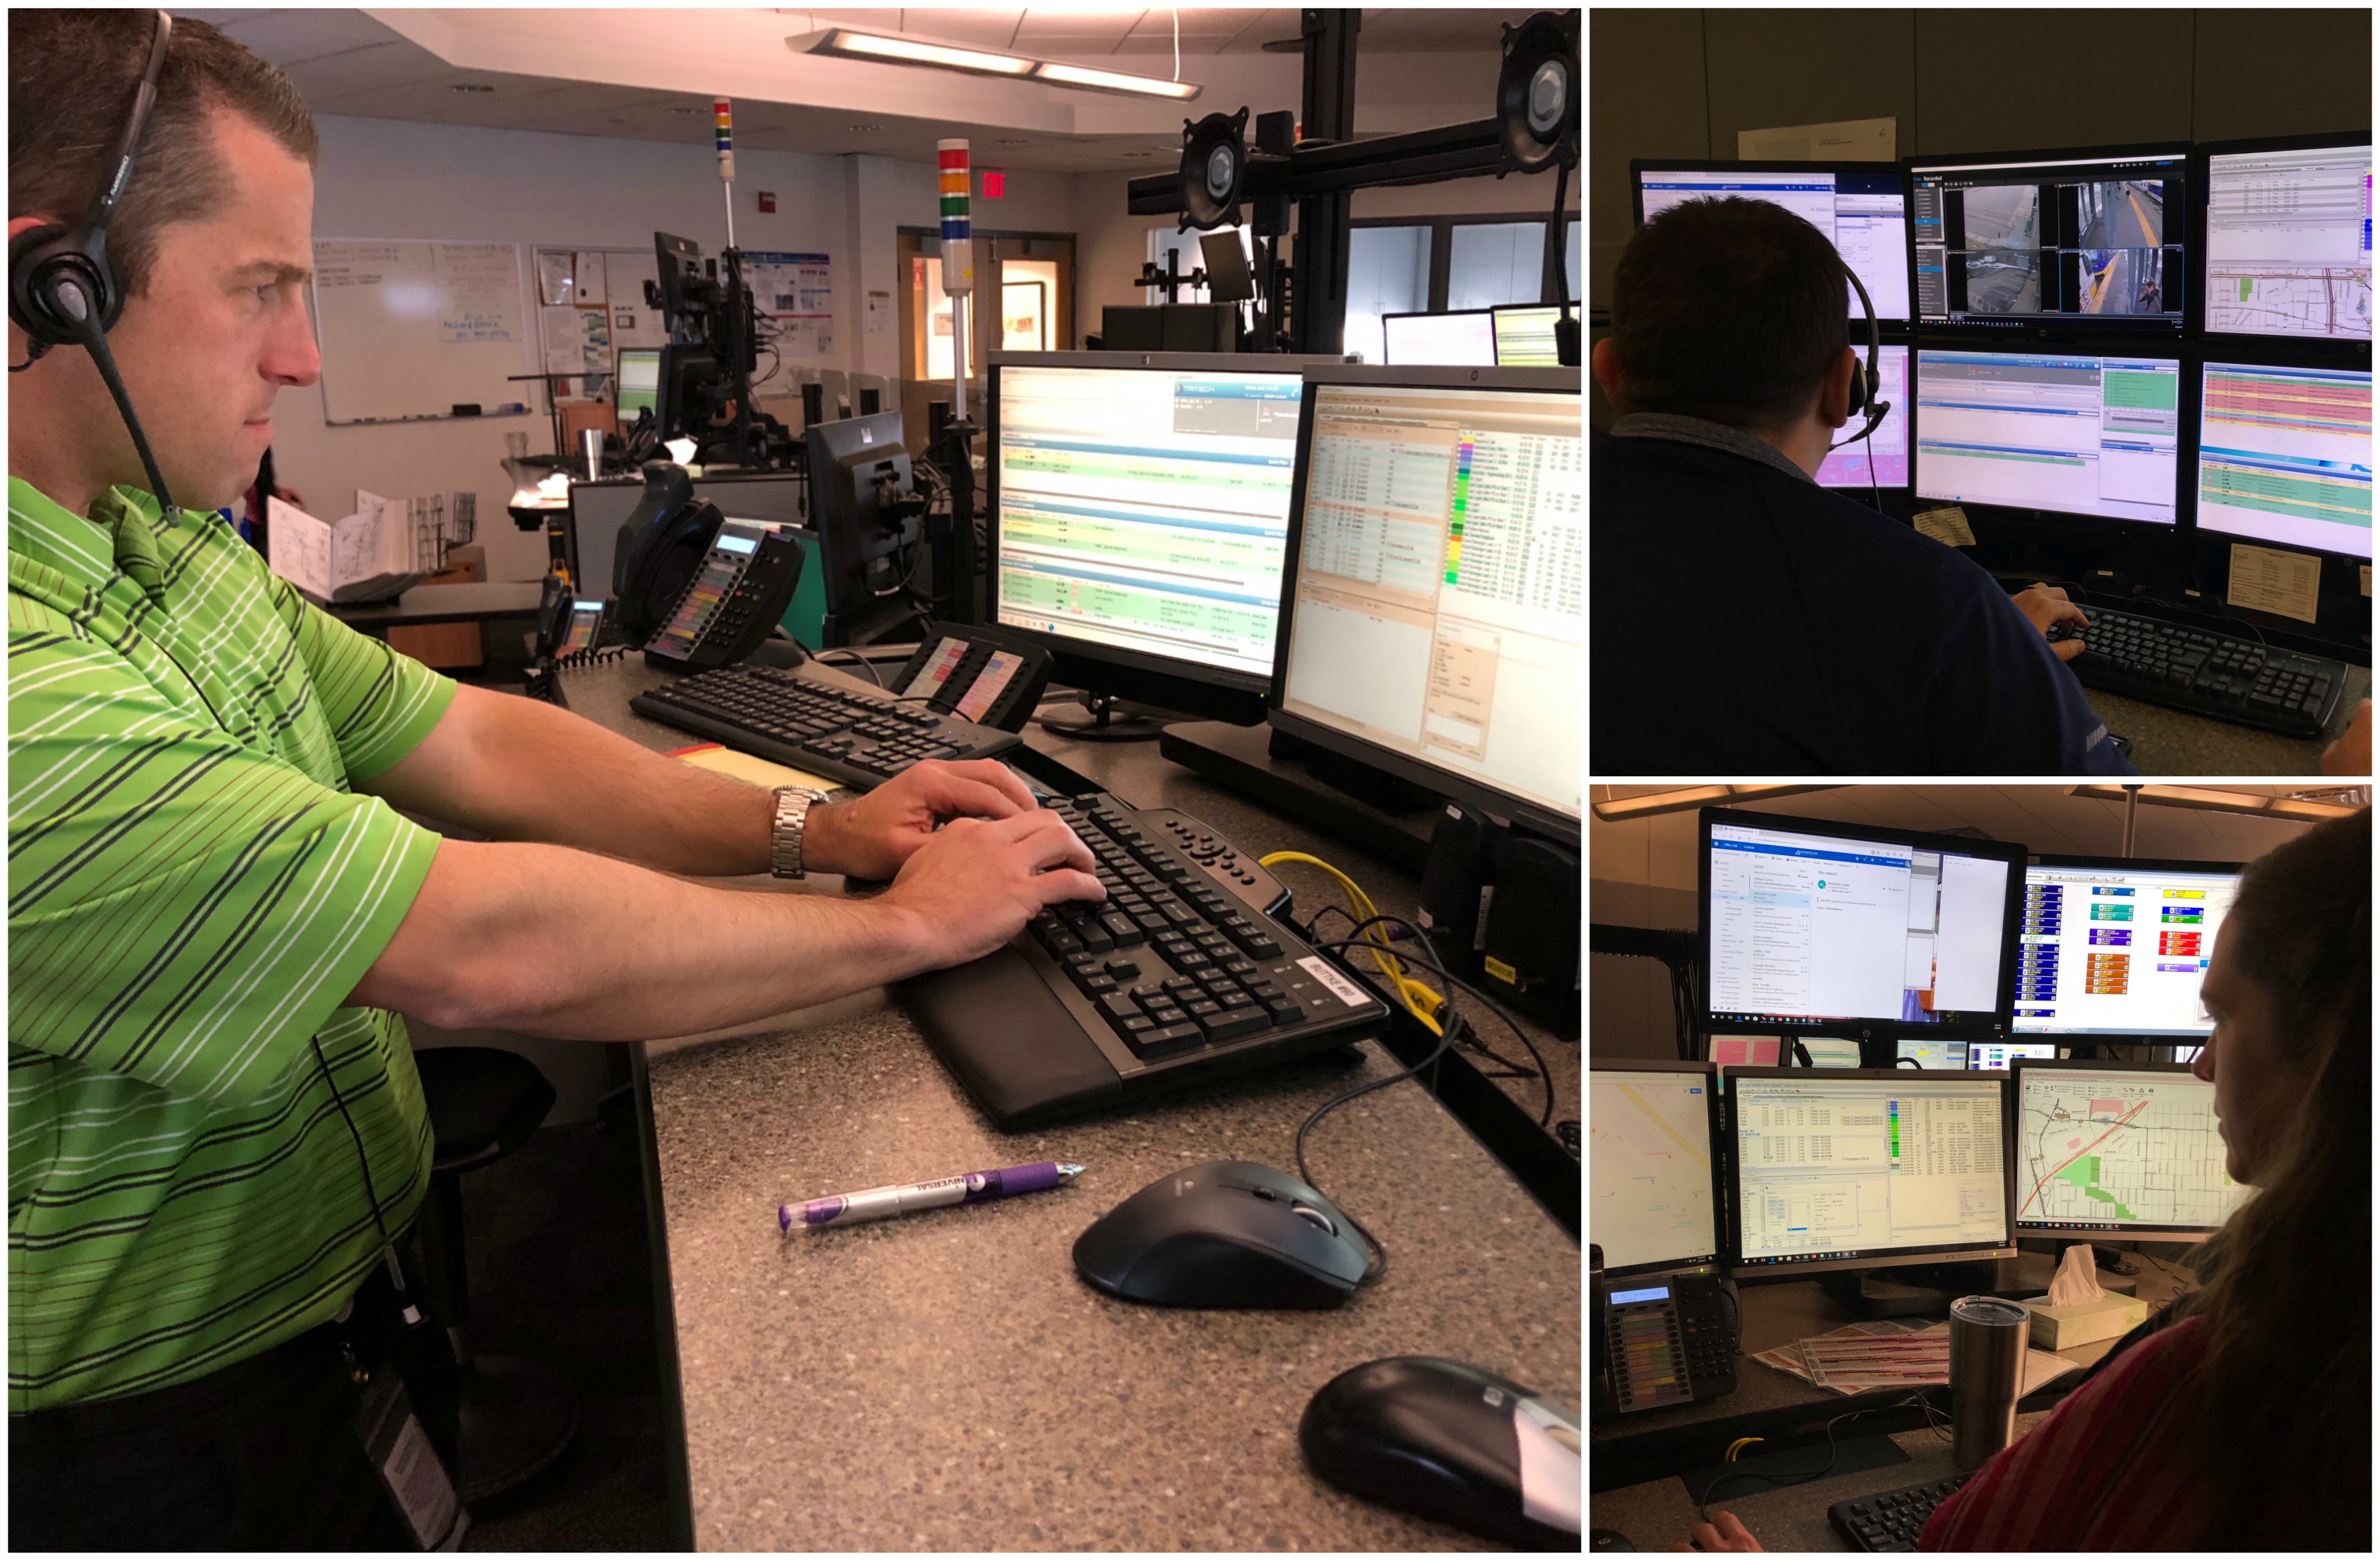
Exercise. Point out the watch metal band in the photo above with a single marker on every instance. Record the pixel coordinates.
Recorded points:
(794, 805)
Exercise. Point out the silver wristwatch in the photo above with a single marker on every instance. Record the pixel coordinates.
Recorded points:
(794, 805)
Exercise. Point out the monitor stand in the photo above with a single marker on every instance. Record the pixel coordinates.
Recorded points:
(1394, 828)
(1110, 720)
(1929, 1289)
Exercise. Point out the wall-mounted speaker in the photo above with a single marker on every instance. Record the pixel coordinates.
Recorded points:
(1214, 167)
(1537, 91)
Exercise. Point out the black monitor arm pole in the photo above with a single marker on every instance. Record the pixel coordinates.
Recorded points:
(1678, 948)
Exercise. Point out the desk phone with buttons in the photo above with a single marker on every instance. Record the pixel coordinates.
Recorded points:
(1667, 1340)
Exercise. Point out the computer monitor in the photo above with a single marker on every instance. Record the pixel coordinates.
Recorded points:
(1830, 1051)
(1951, 1054)
(1811, 923)
(2091, 236)
(637, 383)
(1888, 445)
(2284, 456)
(2115, 949)
(1994, 1057)
(1525, 336)
(1463, 340)
(1871, 1168)
(1746, 1051)
(1229, 280)
(2120, 1150)
(1139, 507)
(2287, 242)
(1436, 612)
(862, 504)
(1858, 205)
(2074, 433)
(1653, 1127)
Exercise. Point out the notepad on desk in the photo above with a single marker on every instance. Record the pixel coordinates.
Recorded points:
(744, 767)
(1861, 1356)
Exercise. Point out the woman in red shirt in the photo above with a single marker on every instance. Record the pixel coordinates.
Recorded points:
(2243, 1419)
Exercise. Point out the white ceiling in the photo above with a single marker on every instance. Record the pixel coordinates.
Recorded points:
(1661, 851)
(349, 63)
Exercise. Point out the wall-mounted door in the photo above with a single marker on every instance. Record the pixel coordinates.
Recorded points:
(1023, 300)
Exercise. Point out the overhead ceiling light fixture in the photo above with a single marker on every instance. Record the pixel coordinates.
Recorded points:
(844, 42)
(2208, 799)
(1681, 799)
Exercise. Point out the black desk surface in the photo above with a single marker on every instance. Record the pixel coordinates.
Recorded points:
(464, 602)
(946, 1380)
(1659, 1513)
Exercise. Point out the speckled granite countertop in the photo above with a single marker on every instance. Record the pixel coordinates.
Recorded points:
(946, 1382)
(2169, 742)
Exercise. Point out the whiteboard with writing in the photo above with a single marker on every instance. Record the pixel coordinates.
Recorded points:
(414, 328)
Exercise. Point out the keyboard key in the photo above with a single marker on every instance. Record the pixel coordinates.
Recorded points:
(1119, 1007)
(1138, 1024)
(1205, 1009)
(1168, 1041)
(1232, 1023)
(1122, 928)
(1168, 1016)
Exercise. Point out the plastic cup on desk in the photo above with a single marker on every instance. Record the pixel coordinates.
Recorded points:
(1988, 1338)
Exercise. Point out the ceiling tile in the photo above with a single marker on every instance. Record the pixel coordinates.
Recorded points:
(288, 37)
(324, 83)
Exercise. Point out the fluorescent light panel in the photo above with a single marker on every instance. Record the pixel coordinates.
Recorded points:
(1681, 799)
(846, 43)
(2208, 799)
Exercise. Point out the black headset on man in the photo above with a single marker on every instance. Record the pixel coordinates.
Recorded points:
(1865, 385)
(63, 292)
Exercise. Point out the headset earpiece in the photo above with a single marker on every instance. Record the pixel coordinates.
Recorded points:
(39, 262)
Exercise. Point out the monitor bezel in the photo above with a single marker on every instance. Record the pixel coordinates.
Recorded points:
(2349, 353)
(2026, 520)
(1709, 1070)
(1638, 167)
(2017, 1069)
(1440, 314)
(1167, 682)
(1740, 1267)
(1984, 1027)
(2063, 329)
(2114, 864)
(1563, 826)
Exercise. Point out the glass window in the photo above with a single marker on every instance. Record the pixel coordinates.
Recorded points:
(1387, 272)
(1491, 263)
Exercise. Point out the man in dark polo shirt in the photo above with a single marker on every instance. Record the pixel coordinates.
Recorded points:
(1747, 621)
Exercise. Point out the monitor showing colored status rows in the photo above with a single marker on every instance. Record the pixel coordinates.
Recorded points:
(2284, 456)
(1147, 509)
(2117, 950)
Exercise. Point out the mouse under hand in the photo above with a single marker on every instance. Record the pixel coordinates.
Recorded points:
(1728, 1533)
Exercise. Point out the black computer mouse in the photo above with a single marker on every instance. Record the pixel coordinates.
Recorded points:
(1450, 1443)
(1227, 1233)
(1608, 1539)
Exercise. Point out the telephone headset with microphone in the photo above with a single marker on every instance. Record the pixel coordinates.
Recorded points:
(63, 291)
(1865, 385)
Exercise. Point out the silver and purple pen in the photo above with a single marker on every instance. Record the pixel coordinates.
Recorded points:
(883, 1203)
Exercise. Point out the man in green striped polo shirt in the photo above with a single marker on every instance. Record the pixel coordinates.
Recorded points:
(216, 911)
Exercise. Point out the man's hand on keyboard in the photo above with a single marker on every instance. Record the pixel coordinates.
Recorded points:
(1728, 1533)
(975, 885)
(2046, 606)
(2352, 754)
(871, 836)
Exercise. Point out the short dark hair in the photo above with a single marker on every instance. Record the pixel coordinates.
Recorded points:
(71, 77)
(1731, 310)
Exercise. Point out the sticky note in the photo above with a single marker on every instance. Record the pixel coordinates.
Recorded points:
(2274, 580)
(1947, 525)
(744, 767)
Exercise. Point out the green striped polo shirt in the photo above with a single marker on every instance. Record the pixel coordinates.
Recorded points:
(193, 891)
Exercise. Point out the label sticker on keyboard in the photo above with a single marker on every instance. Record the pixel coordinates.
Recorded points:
(1341, 988)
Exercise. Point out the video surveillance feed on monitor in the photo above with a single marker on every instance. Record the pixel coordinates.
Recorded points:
(2011, 241)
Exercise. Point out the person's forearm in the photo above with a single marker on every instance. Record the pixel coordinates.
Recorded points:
(546, 941)
(520, 769)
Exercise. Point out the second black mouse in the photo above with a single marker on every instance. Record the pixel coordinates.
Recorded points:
(1229, 1233)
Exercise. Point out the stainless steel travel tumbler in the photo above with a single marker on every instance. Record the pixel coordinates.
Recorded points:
(1987, 1340)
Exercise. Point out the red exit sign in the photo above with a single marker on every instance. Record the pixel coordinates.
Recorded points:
(995, 185)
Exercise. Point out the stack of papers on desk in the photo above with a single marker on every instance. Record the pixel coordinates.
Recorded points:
(1860, 1356)
(370, 555)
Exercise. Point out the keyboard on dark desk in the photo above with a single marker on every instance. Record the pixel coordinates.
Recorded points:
(1892, 1519)
(2207, 674)
(856, 735)
(1183, 974)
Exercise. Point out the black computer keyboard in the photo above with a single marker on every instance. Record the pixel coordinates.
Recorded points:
(1894, 1520)
(1181, 974)
(816, 722)
(2207, 674)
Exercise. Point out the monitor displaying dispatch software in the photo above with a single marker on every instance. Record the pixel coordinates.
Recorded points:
(2076, 433)
(1464, 339)
(2289, 242)
(1995, 1057)
(2041, 239)
(1865, 1169)
(1656, 1203)
(1949, 1055)
(1856, 204)
(2118, 949)
(2119, 1149)
(1438, 607)
(638, 387)
(1145, 509)
(1888, 447)
(1525, 336)
(2284, 456)
(1810, 922)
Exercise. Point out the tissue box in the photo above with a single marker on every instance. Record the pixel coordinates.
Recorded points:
(2063, 1328)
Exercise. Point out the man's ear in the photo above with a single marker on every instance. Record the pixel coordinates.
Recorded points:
(1835, 391)
(1604, 361)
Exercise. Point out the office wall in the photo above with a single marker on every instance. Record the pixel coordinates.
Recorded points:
(1682, 83)
(392, 179)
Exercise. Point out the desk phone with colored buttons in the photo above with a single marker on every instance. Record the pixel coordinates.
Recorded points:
(1666, 1341)
(738, 594)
